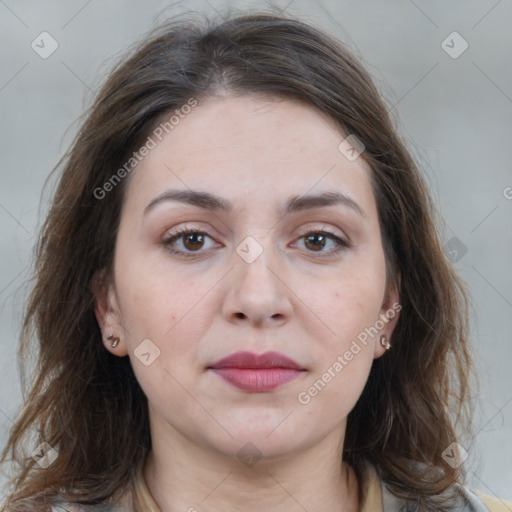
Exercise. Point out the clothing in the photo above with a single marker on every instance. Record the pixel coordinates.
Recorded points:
(375, 498)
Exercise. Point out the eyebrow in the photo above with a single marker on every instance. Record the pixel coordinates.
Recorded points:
(294, 204)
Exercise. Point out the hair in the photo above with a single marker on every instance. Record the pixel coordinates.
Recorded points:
(87, 404)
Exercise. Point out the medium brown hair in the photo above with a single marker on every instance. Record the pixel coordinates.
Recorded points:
(86, 402)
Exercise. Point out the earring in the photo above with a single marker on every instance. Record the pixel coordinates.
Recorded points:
(384, 342)
(114, 342)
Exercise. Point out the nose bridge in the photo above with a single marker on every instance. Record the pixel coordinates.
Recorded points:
(257, 290)
(256, 261)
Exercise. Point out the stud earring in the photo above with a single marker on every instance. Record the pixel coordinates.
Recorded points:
(384, 342)
(114, 342)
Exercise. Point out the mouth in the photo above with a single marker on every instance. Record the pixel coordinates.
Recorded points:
(257, 373)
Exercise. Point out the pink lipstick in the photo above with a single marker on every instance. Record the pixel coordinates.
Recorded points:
(257, 373)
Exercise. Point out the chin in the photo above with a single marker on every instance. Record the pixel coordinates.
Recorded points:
(265, 443)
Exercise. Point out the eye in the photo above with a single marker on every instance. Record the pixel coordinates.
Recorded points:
(190, 241)
(316, 241)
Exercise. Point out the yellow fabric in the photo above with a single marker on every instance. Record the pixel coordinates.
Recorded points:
(494, 504)
(371, 494)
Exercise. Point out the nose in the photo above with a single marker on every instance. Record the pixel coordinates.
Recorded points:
(258, 293)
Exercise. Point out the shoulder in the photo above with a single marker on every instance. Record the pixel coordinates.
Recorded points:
(467, 501)
(494, 504)
(120, 503)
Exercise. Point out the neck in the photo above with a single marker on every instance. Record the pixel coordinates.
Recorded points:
(193, 479)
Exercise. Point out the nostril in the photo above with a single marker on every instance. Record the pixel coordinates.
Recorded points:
(240, 315)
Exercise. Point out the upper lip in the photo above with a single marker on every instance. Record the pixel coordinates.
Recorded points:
(246, 359)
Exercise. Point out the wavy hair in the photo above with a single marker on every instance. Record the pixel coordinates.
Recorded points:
(87, 403)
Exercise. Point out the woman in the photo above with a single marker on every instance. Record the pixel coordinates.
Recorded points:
(240, 300)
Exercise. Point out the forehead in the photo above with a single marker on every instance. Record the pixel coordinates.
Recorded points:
(251, 147)
(276, 128)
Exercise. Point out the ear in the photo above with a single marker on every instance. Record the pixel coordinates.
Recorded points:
(388, 318)
(108, 314)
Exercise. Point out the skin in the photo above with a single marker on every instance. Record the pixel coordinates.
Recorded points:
(296, 298)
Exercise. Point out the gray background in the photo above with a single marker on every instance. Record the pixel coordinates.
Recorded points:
(455, 113)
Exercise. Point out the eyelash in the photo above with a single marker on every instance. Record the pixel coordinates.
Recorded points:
(167, 242)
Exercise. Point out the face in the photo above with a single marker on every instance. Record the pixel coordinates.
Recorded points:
(193, 284)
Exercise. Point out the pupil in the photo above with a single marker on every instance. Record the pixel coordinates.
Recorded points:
(312, 237)
(195, 244)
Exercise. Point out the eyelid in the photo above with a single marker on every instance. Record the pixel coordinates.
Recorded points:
(185, 229)
(180, 232)
(336, 232)
(310, 230)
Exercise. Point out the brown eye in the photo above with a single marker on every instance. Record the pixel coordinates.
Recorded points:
(315, 241)
(186, 242)
(193, 241)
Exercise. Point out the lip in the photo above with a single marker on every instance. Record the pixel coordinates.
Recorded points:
(250, 360)
(257, 373)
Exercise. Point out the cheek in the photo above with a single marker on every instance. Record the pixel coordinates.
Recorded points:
(155, 301)
(350, 307)
(342, 366)
(325, 401)
(352, 304)
(173, 312)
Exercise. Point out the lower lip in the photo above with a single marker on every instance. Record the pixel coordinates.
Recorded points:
(257, 381)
